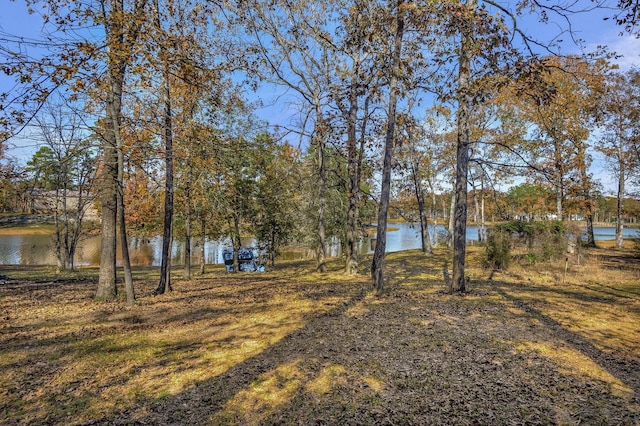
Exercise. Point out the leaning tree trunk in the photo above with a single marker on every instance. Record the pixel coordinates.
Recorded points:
(378, 263)
(124, 241)
(458, 283)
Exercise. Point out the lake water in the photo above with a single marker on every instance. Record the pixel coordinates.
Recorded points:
(38, 249)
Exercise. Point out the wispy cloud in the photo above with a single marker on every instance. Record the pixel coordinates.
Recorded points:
(626, 46)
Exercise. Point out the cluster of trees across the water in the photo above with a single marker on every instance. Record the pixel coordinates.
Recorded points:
(148, 105)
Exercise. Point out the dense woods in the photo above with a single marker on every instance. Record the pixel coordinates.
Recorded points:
(436, 113)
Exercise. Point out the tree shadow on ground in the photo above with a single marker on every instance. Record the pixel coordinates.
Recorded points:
(413, 356)
(196, 404)
(624, 369)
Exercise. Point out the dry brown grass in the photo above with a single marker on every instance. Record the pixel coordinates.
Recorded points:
(292, 346)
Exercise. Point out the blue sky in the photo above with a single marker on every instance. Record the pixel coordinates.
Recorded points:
(15, 20)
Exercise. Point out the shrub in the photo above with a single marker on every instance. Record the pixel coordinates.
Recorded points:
(542, 241)
(531, 258)
(497, 250)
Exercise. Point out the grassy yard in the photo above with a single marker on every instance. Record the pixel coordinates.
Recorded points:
(534, 345)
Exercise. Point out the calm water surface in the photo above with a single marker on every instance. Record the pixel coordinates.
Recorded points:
(38, 249)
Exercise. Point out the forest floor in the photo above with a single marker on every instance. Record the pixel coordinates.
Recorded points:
(551, 343)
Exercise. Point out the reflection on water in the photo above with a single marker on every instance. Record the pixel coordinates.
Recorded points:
(143, 251)
(39, 250)
(26, 250)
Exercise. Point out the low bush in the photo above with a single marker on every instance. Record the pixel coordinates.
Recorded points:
(541, 241)
(497, 250)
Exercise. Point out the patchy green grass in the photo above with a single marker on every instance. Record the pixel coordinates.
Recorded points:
(532, 345)
(29, 229)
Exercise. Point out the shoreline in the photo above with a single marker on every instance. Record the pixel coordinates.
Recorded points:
(24, 224)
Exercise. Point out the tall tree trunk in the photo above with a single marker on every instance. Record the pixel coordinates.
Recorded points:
(452, 208)
(559, 198)
(620, 205)
(378, 263)
(187, 232)
(434, 214)
(586, 194)
(186, 273)
(591, 241)
(559, 181)
(483, 227)
(458, 282)
(476, 203)
(435, 232)
(236, 241)
(321, 250)
(425, 240)
(167, 235)
(272, 253)
(422, 210)
(124, 241)
(424, 225)
(67, 261)
(60, 260)
(361, 151)
(353, 186)
(121, 37)
(76, 228)
(203, 237)
(107, 289)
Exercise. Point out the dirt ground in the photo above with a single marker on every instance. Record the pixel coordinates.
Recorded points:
(540, 344)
